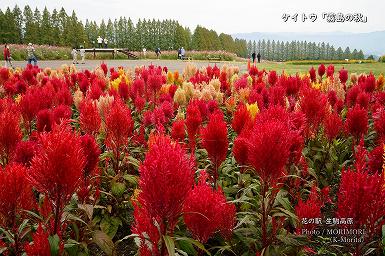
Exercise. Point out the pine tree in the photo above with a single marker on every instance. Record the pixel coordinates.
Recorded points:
(18, 19)
(46, 28)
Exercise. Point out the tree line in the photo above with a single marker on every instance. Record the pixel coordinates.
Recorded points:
(301, 50)
(61, 29)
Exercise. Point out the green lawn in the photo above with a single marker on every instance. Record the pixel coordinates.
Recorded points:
(376, 68)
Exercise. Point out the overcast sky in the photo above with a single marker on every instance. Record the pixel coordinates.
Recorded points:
(228, 16)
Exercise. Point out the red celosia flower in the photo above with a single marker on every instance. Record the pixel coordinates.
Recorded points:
(178, 130)
(166, 177)
(123, 90)
(10, 133)
(167, 109)
(376, 159)
(119, 125)
(272, 78)
(91, 151)
(214, 140)
(155, 82)
(206, 212)
(312, 74)
(45, 120)
(4, 75)
(356, 122)
(321, 70)
(311, 208)
(57, 167)
(145, 226)
(240, 83)
(89, 118)
(40, 245)
(330, 71)
(15, 193)
(24, 152)
(313, 105)
(94, 92)
(332, 98)
(333, 126)
(370, 83)
(241, 149)
(269, 149)
(104, 68)
(352, 94)
(62, 112)
(253, 71)
(137, 88)
(343, 75)
(241, 119)
(193, 121)
(379, 123)
(361, 196)
(363, 100)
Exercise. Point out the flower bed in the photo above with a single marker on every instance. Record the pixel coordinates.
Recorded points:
(209, 161)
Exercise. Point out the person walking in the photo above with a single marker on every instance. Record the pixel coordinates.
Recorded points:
(31, 54)
(157, 52)
(7, 56)
(179, 54)
(253, 55)
(182, 53)
(259, 57)
(105, 42)
(100, 41)
(82, 54)
(74, 56)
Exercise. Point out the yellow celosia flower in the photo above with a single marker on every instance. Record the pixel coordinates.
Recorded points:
(316, 85)
(216, 84)
(78, 97)
(170, 77)
(180, 97)
(253, 109)
(18, 98)
(165, 88)
(135, 195)
(380, 82)
(115, 83)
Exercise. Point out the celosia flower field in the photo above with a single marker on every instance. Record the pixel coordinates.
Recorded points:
(205, 162)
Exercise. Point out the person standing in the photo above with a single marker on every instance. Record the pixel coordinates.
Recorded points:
(182, 53)
(7, 56)
(105, 42)
(144, 52)
(31, 54)
(157, 52)
(82, 54)
(74, 56)
(100, 41)
(259, 57)
(253, 57)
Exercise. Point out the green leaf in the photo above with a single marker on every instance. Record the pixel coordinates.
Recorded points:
(170, 245)
(193, 242)
(135, 162)
(54, 244)
(72, 247)
(118, 188)
(104, 242)
(23, 225)
(88, 209)
(110, 225)
(187, 247)
(132, 179)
